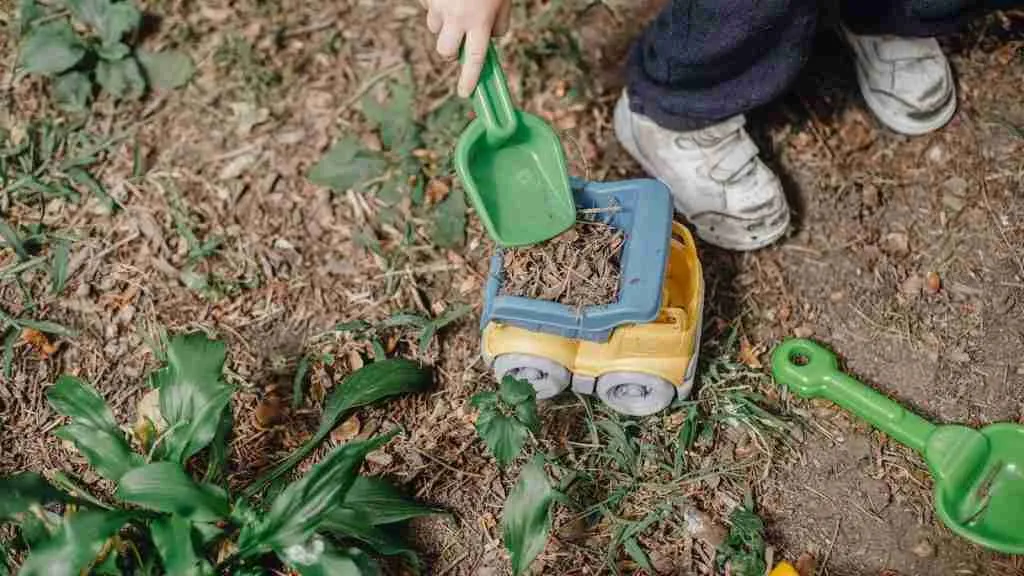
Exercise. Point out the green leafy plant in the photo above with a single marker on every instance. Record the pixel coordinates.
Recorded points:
(744, 550)
(507, 418)
(101, 51)
(402, 168)
(166, 520)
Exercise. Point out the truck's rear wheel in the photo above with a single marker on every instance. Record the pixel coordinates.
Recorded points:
(549, 378)
(635, 393)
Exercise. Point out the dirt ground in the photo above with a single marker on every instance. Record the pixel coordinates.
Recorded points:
(907, 258)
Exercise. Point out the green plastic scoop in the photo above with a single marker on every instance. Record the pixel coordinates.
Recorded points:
(979, 474)
(513, 167)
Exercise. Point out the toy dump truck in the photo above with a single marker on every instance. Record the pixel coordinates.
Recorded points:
(637, 354)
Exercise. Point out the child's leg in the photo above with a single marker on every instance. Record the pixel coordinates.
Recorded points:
(703, 61)
(697, 68)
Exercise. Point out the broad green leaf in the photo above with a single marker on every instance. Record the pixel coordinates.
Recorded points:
(176, 542)
(299, 511)
(13, 241)
(166, 70)
(28, 12)
(108, 452)
(526, 413)
(110, 20)
(193, 394)
(76, 544)
(450, 220)
(93, 429)
(73, 90)
(119, 19)
(515, 391)
(395, 118)
(347, 523)
(504, 435)
(81, 402)
(369, 384)
(165, 487)
(23, 491)
(121, 78)
(317, 557)
(59, 271)
(51, 48)
(526, 520)
(47, 327)
(382, 503)
(89, 12)
(346, 165)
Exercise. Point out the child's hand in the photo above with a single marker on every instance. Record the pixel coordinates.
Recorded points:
(472, 20)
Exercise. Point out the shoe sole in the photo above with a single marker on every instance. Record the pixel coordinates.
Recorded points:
(625, 138)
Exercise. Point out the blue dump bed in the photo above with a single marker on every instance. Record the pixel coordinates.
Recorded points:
(642, 209)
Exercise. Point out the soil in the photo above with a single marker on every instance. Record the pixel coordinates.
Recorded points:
(907, 257)
(578, 268)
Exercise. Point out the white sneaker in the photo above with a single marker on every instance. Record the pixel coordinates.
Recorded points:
(732, 199)
(906, 82)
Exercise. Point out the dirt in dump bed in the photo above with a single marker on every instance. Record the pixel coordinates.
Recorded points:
(578, 268)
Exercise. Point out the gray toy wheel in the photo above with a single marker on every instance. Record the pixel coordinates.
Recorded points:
(549, 378)
(635, 393)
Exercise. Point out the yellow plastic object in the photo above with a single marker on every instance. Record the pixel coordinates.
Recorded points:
(665, 348)
(784, 569)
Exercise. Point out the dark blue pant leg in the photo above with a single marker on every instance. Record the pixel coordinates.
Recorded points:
(702, 61)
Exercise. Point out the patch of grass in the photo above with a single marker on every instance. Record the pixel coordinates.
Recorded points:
(41, 162)
(632, 479)
(197, 272)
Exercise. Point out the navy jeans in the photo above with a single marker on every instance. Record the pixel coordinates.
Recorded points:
(702, 61)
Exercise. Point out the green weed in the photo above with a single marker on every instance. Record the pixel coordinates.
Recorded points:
(744, 549)
(88, 45)
(402, 168)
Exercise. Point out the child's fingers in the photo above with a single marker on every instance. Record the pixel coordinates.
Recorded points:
(449, 39)
(477, 41)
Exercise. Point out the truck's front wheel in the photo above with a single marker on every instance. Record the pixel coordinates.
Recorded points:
(635, 393)
(549, 378)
